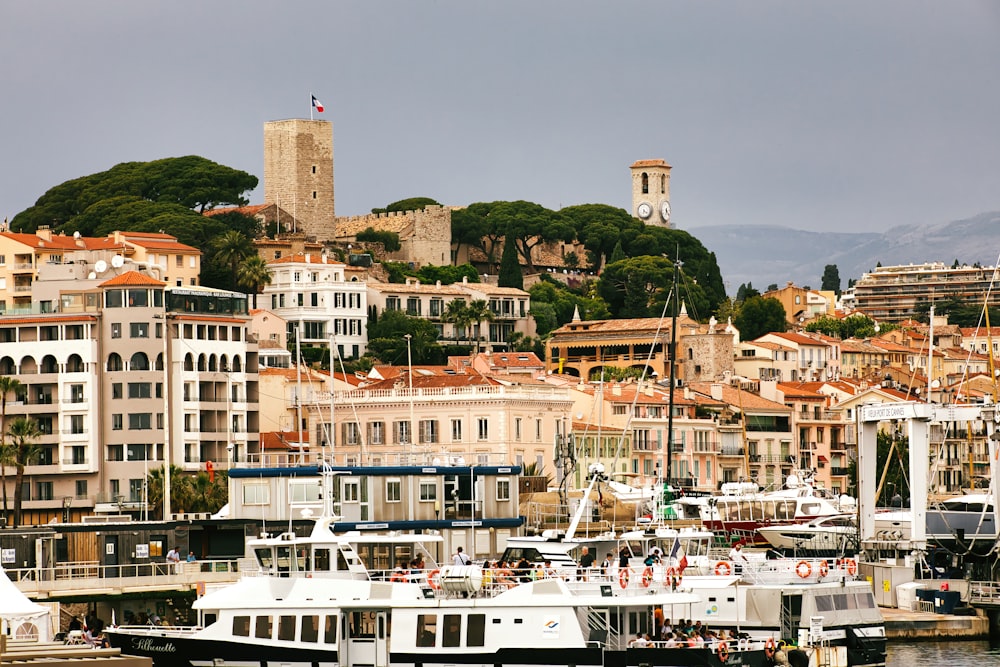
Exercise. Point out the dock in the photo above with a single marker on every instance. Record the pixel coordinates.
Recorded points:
(905, 624)
(26, 654)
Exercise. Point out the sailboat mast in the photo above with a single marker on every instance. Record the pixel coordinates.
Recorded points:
(673, 368)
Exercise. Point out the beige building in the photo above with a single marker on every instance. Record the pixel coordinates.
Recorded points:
(651, 191)
(802, 305)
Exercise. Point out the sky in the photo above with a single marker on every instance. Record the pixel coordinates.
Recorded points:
(856, 115)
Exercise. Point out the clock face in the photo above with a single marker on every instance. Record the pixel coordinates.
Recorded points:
(644, 210)
(665, 211)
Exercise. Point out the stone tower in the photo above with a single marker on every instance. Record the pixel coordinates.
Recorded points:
(651, 191)
(298, 172)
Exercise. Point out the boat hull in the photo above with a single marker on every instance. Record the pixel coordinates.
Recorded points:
(168, 650)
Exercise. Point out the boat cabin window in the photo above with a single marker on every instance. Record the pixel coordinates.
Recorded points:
(514, 554)
(263, 628)
(362, 624)
(284, 559)
(330, 630)
(264, 557)
(321, 560)
(843, 601)
(452, 635)
(310, 629)
(286, 628)
(810, 509)
(241, 626)
(300, 559)
(426, 629)
(476, 632)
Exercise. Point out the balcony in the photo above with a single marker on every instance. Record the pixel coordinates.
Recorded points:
(837, 471)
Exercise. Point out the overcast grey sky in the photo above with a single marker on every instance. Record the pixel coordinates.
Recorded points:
(850, 115)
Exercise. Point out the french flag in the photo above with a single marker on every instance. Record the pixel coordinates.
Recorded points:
(317, 104)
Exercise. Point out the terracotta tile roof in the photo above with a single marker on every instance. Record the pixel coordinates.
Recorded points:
(798, 390)
(284, 440)
(767, 345)
(44, 319)
(650, 163)
(307, 258)
(637, 326)
(308, 375)
(736, 397)
(514, 359)
(415, 288)
(797, 338)
(492, 290)
(251, 210)
(132, 279)
(433, 381)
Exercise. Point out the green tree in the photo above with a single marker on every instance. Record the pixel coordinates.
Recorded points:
(411, 204)
(894, 449)
(389, 240)
(617, 254)
(8, 386)
(192, 182)
(476, 227)
(254, 275)
(529, 225)
(430, 274)
(387, 342)
(510, 268)
(831, 279)
(479, 312)
(23, 432)
(599, 228)
(232, 249)
(553, 304)
(759, 316)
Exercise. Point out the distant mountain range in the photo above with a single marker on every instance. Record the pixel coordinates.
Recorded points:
(763, 255)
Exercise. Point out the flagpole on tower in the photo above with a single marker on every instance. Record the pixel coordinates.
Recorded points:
(312, 105)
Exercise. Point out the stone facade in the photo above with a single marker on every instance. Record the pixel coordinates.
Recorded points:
(298, 172)
(425, 236)
(651, 187)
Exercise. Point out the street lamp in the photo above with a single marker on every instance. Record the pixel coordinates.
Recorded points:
(409, 375)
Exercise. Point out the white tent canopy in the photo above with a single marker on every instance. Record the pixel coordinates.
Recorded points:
(20, 618)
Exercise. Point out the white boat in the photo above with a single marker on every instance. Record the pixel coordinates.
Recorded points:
(831, 534)
(313, 602)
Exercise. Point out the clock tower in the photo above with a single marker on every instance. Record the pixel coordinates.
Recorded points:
(651, 191)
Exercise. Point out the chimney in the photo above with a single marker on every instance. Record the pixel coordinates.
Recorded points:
(717, 391)
(616, 389)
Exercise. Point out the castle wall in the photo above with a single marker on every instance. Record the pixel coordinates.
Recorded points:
(424, 236)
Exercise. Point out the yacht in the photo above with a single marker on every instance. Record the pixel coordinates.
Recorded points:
(836, 534)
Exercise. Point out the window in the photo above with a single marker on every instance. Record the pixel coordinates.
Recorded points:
(116, 422)
(401, 432)
(76, 424)
(330, 630)
(503, 489)
(517, 428)
(392, 303)
(393, 490)
(256, 494)
(428, 430)
(116, 390)
(352, 491)
(376, 433)
(116, 453)
(310, 629)
(76, 393)
(452, 635)
(241, 626)
(140, 421)
(139, 330)
(303, 492)
(428, 490)
(135, 487)
(116, 330)
(139, 390)
(44, 490)
(413, 305)
(483, 428)
(81, 489)
(352, 433)
(456, 430)
(286, 628)
(476, 630)
(263, 627)
(426, 629)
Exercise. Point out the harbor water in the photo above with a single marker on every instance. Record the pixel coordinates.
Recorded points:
(942, 654)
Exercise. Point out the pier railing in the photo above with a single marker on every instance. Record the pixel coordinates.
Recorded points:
(984, 593)
(85, 579)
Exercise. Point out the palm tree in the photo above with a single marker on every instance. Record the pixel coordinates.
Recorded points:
(254, 274)
(457, 313)
(154, 491)
(23, 432)
(479, 312)
(232, 248)
(8, 385)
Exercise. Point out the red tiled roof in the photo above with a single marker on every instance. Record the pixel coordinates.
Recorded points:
(45, 319)
(132, 279)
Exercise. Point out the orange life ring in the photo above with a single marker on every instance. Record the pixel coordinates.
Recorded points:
(623, 577)
(852, 566)
(769, 647)
(723, 568)
(723, 651)
(671, 571)
(398, 575)
(432, 579)
(824, 568)
(647, 576)
(803, 569)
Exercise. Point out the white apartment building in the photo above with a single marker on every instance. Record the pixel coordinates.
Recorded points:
(311, 294)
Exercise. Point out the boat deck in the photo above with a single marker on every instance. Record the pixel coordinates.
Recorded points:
(65, 655)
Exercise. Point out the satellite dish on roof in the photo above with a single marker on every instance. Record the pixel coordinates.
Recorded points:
(101, 266)
(117, 261)
(91, 275)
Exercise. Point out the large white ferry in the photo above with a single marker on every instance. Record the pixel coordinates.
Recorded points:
(313, 602)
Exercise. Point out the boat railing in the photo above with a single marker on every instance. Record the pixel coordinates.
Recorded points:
(984, 592)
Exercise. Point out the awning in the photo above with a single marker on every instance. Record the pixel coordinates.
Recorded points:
(823, 459)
